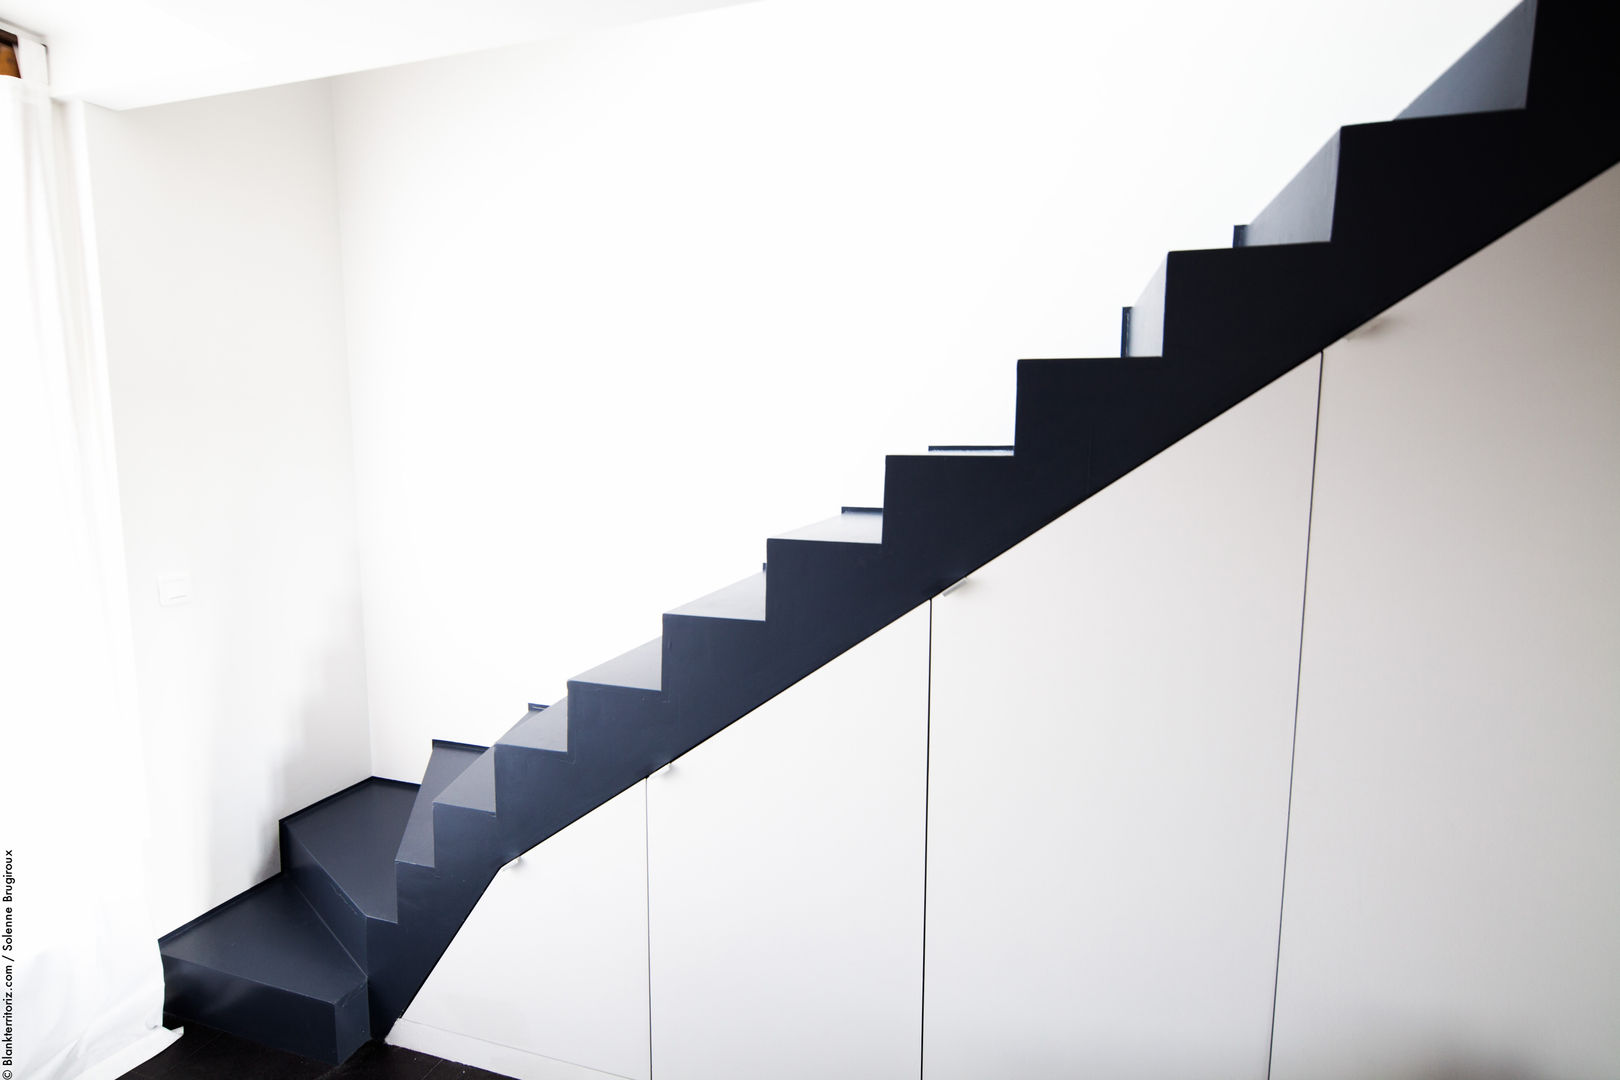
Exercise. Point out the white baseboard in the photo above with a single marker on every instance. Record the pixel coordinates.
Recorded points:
(495, 1057)
(136, 1053)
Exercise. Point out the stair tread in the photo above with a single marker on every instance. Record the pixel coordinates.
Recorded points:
(540, 730)
(642, 668)
(474, 789)
(849, 527)
(743, 599)
(354, 836)
(271, 936)
(448, 761)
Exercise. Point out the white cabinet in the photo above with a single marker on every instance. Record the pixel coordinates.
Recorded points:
(786, 878)
(548, 977)
(1453, 901)
(1113, 702)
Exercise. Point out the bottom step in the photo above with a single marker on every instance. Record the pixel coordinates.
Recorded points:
(263, 966)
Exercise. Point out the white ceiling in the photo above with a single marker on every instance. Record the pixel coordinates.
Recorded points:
(128, 53)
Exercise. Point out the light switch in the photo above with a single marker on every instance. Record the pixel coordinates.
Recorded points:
(174, 589)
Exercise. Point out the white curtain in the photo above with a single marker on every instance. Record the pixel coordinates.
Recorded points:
(81, 961)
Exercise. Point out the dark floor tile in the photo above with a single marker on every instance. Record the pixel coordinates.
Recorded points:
(451, 1070)
(379, 1061)
(162, 1066)
(230, 1058)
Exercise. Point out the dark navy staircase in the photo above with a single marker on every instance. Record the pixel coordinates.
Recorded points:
(377, 880)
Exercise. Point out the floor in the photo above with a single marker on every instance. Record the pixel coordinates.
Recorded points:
(205, 1054)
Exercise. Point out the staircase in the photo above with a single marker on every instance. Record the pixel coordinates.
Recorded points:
(377, 879)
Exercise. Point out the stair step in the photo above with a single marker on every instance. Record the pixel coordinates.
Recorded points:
(543, 789)
(1092, 421)
(853, 525)
(639, 669)
(541, 729)
(719, 656)
(537, 773)
(952, 513)
(448, 761)
(352, 838)
(833, 584)
(474, 789)
(743, 599)
(264, 967)
(972, 451)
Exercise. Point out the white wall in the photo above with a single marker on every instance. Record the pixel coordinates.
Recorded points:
(622, 305)
(220, 279)
(1453, 903)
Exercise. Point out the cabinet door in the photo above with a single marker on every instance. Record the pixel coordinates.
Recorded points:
(785, 865)
(1113, 705)
(548, 976)
(1454, 863)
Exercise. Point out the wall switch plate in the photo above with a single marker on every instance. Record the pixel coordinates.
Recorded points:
(174, 589)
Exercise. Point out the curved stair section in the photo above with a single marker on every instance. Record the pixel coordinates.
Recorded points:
(335, 947)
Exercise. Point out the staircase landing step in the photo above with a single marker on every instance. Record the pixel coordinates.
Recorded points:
(354, 835)
(269, 935)
(264, 967)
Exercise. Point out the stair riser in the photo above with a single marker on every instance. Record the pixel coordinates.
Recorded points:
(951, 515)
(336, 910)
(824, 597)
(592, 704)
(716, 660)
(543, 792)
(265, 1014)
(463, 840)
(1573, 76)
(1100, 419)
(721, 668)
(1084, 416)
(1416, 196)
